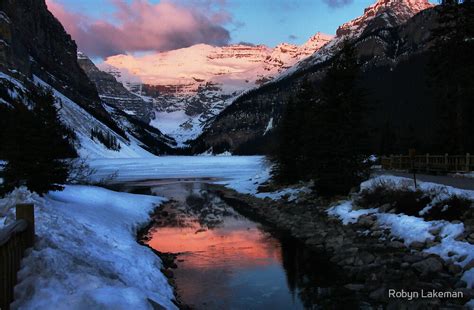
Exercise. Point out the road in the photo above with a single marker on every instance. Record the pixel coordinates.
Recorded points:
(463, 183)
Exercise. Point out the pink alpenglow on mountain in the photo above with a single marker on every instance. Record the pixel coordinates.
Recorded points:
(235, 67)
(402, 10)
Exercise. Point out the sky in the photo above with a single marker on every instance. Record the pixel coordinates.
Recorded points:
(105, 28)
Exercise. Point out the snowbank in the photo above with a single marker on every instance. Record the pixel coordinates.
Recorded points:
(442, 191)
(412, 228)
(346, 214)
(86, 255)
(17, 196)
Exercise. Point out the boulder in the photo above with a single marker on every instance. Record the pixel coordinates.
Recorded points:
(428, 265)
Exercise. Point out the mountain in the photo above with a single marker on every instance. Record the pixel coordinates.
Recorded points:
(391, 38)
(36, 50)
(190, 86)
(114, 93)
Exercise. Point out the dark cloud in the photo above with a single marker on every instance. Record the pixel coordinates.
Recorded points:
(337, 3)
(292, 37)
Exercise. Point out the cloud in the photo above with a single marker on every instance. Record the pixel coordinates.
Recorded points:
(143, 26)
(337, 3)
(292, 37)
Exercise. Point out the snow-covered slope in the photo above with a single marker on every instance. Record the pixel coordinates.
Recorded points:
(189, 86)
(80, 121)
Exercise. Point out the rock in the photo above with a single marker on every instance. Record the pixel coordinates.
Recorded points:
(366, 221)
(377, 233)
(335, 241)
(435, 231)
(462, 258)
(378, 294)
(366, 257)
(354, 286)
(432, 243)
(409, 258)
(385, 207)
(469, 265)
(347, 261)
(395, 244)
(467, 292)
(451, 253)
(417, 245)
(454, 269)
(428, 265)
(460, 284)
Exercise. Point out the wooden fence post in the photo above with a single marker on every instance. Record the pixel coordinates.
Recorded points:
(27, 212)
(446, 163)
(468, 164)
(427, 168)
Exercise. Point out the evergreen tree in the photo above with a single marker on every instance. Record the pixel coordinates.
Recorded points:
(294, 137)
(287, 168)
(339, 139)
(323, 133)
(36, 144)
(452, 80)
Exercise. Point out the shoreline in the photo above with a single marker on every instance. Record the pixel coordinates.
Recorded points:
(167, 259)
(372, 266)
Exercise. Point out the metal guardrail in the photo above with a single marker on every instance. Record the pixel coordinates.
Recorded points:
(430, 163)
(14, 240)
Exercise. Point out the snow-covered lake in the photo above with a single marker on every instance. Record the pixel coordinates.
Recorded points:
(242, 173)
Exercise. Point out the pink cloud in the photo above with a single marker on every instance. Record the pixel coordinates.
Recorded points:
(143, 26)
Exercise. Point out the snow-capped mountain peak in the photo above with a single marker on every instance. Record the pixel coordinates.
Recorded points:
(395, 12)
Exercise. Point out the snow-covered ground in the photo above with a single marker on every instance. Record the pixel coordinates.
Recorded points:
(86, 255)
(416, 229)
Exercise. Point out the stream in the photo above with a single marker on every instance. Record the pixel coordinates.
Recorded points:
(228, 261)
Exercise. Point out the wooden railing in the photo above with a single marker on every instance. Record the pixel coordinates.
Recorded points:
(430, 163)
(14, 240)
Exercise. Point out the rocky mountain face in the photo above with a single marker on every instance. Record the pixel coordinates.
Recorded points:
(384, 13)
(391, 39)
(190, 86)
(114, 93)
(33, 42)
(35, 49)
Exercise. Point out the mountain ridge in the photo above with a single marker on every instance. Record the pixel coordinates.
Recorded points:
(190, 86)
(379, 42)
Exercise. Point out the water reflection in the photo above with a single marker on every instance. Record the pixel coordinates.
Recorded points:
(227, 261)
